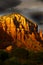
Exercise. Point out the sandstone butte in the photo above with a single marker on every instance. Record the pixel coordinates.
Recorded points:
(16, 29)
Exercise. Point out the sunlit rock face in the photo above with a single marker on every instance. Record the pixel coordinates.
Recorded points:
(23, 31)
(16, 22)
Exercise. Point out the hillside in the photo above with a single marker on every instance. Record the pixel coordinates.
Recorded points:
(22, 32)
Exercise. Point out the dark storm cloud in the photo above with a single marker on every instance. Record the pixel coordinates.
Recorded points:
(4, 4)
(40, 0)
(38, 17)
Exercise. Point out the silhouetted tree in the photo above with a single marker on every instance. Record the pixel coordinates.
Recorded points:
(3, 55)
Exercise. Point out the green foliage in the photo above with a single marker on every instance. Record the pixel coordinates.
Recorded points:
(39, 57)
(3, 55)
(12, 61)
(1, 62)
(20, 53)
(21, 56)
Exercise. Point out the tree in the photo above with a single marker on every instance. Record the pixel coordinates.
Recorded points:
(3, 55)
(20, 53)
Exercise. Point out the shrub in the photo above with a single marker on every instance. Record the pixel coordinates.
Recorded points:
(20, 53)
(12, 61)
(3, 55)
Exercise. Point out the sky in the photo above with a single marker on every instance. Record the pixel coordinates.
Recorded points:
(21, 4)
(30, 4)
(4, 4)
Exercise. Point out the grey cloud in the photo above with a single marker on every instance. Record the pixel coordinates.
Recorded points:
(4, 4)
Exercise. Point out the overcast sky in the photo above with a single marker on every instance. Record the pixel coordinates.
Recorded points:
(31, 4)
